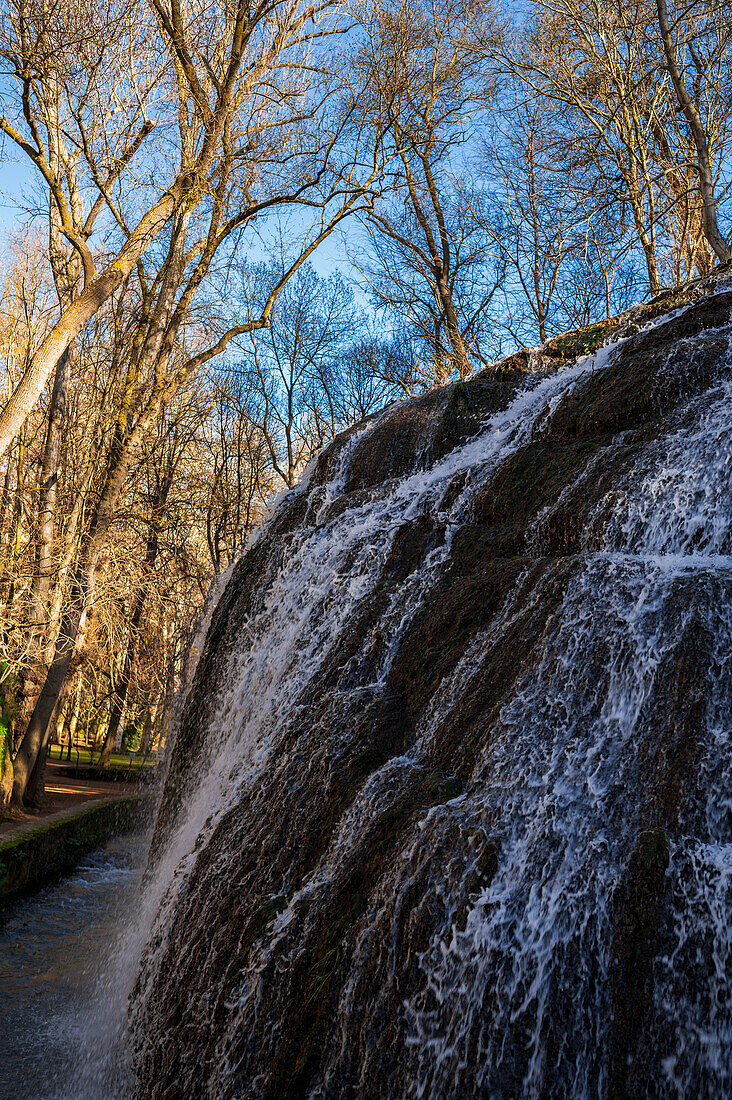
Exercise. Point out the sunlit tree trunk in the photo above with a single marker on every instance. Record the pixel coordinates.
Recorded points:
(704, 166)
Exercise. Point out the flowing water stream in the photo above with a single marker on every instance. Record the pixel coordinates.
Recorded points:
(57, 995)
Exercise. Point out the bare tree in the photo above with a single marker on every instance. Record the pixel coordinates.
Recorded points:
(291, 369)
(252, 137)
(237, 464)
(424, 70)
(690, 100)
(227, 93)
(604, 73)
(589, 62)
(161, 466)
(530, 216)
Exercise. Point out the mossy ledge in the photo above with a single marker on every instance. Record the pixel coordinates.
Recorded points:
(42, 854)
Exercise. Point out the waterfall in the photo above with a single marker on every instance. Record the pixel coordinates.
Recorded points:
(576, 737)
(491, 859)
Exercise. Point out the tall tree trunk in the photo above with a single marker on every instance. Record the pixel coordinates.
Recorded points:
(83, 582)
(42, 581)
(121, 688)
(100, 731)
(151, 711)
(36, 736)
(701, 143)
(459, 357)
(68, 552)
(5, 497)
(6, 766)
(75, 712)
(35, 785)
(14, 538)
(48, 490)
(155, 356)
(61, 725)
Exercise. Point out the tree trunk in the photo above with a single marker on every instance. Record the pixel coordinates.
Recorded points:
(5, 497)
(459, 354)
(69, 551)
(99, 730)
(42, 580)
(121, 688)
(67, 727)
(14, 538)
(41, 584)
(72, 320)
(35, 785)
(123, 453)
(6, 766)
(147, 733)
(701, 143)
(36, 736)
(75, 713)
(119, 698)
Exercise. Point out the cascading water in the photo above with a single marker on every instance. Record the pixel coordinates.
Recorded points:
(449, 809)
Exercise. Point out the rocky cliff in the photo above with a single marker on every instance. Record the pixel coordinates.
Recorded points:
(448, 814)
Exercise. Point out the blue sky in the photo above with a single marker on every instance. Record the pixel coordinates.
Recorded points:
(15, 177)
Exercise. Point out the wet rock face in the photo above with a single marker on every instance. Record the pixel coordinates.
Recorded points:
(448, 813)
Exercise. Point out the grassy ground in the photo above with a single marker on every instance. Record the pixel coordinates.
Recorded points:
(84, 757)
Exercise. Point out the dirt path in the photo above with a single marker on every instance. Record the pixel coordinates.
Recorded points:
(63, 794)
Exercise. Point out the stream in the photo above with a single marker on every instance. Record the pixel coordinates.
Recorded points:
(58, 1016)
